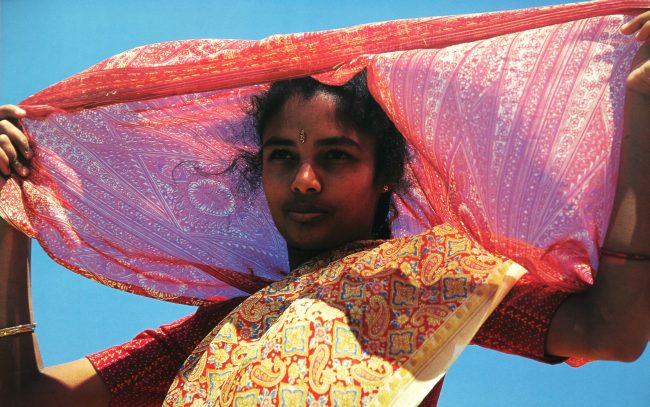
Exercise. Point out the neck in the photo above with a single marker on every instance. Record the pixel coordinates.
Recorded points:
(299, 256)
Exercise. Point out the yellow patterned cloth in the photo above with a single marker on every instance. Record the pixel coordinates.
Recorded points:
(372, 323)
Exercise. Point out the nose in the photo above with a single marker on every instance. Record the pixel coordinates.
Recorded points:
(306, 180)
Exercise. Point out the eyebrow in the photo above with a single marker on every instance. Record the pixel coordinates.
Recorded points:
(327, 142)
(278, 141)
(338, 141)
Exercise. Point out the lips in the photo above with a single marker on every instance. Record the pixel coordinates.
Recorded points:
(305, 212)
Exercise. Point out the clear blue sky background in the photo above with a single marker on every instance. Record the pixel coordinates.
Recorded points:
(44, 41)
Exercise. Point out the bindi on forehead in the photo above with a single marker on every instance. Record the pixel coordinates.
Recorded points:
(313, 121)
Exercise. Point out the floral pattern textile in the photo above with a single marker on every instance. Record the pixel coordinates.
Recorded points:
(139, 372)
(374, 326)
(513, 119)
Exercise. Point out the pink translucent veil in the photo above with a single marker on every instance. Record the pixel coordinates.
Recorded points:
(513, 118)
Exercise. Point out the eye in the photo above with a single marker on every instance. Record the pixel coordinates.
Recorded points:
(337, 155)
(280, 155)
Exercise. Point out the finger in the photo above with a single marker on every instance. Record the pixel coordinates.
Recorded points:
(11, 111)
(644, 32)
(636, 23)
(4, 164)
(639, 79)
(10, 159)
(17, 137)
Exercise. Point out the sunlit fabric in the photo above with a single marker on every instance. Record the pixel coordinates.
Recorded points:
(514, 120)
(374, 323)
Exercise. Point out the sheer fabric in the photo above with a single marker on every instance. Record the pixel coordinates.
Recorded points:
(513, 119)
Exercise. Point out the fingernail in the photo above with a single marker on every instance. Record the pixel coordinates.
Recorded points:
(28, 153)
(20, 111)
(24, 172)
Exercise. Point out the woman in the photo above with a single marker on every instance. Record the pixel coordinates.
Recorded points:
(308, 231)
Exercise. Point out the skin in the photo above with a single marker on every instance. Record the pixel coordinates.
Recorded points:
(322, 193)
(611, 320)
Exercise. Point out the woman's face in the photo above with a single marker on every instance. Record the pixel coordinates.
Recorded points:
(320, 188)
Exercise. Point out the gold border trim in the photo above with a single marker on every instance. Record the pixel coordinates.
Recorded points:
(411, 383)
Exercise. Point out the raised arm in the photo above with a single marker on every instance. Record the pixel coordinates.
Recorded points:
(611, 320)
(23, 380)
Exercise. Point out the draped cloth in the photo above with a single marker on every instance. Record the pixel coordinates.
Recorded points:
(373, 323)
(514, 124)
(513, 118)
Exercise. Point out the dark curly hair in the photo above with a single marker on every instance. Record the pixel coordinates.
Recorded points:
(355, 107)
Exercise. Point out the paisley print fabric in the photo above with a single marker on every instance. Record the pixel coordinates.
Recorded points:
(376, 325)
(513, 119)
(139, 372)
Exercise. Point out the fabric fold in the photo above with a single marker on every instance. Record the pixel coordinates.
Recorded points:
(376, 323)
(513, 120)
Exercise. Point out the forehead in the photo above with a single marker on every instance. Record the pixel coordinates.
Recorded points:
(317, 116)
(320, 109)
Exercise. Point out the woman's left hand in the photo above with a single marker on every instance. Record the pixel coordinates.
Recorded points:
(611, 320)
(638, 81)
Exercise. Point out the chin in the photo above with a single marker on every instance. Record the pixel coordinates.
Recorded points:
(319, 239)
(313, 243)
(308, 246)
(319, 244)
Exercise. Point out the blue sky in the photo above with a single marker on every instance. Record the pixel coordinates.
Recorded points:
(44, 41)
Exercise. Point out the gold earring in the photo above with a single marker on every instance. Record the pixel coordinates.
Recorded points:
(385, 189)
(302, 137)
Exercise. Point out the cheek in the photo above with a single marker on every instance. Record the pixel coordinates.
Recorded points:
(361, 193)
(270, 192)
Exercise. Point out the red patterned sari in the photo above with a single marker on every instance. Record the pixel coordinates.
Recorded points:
(514, 122)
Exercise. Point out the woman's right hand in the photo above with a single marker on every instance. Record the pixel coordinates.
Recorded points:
(23, 381)
(15, 152)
